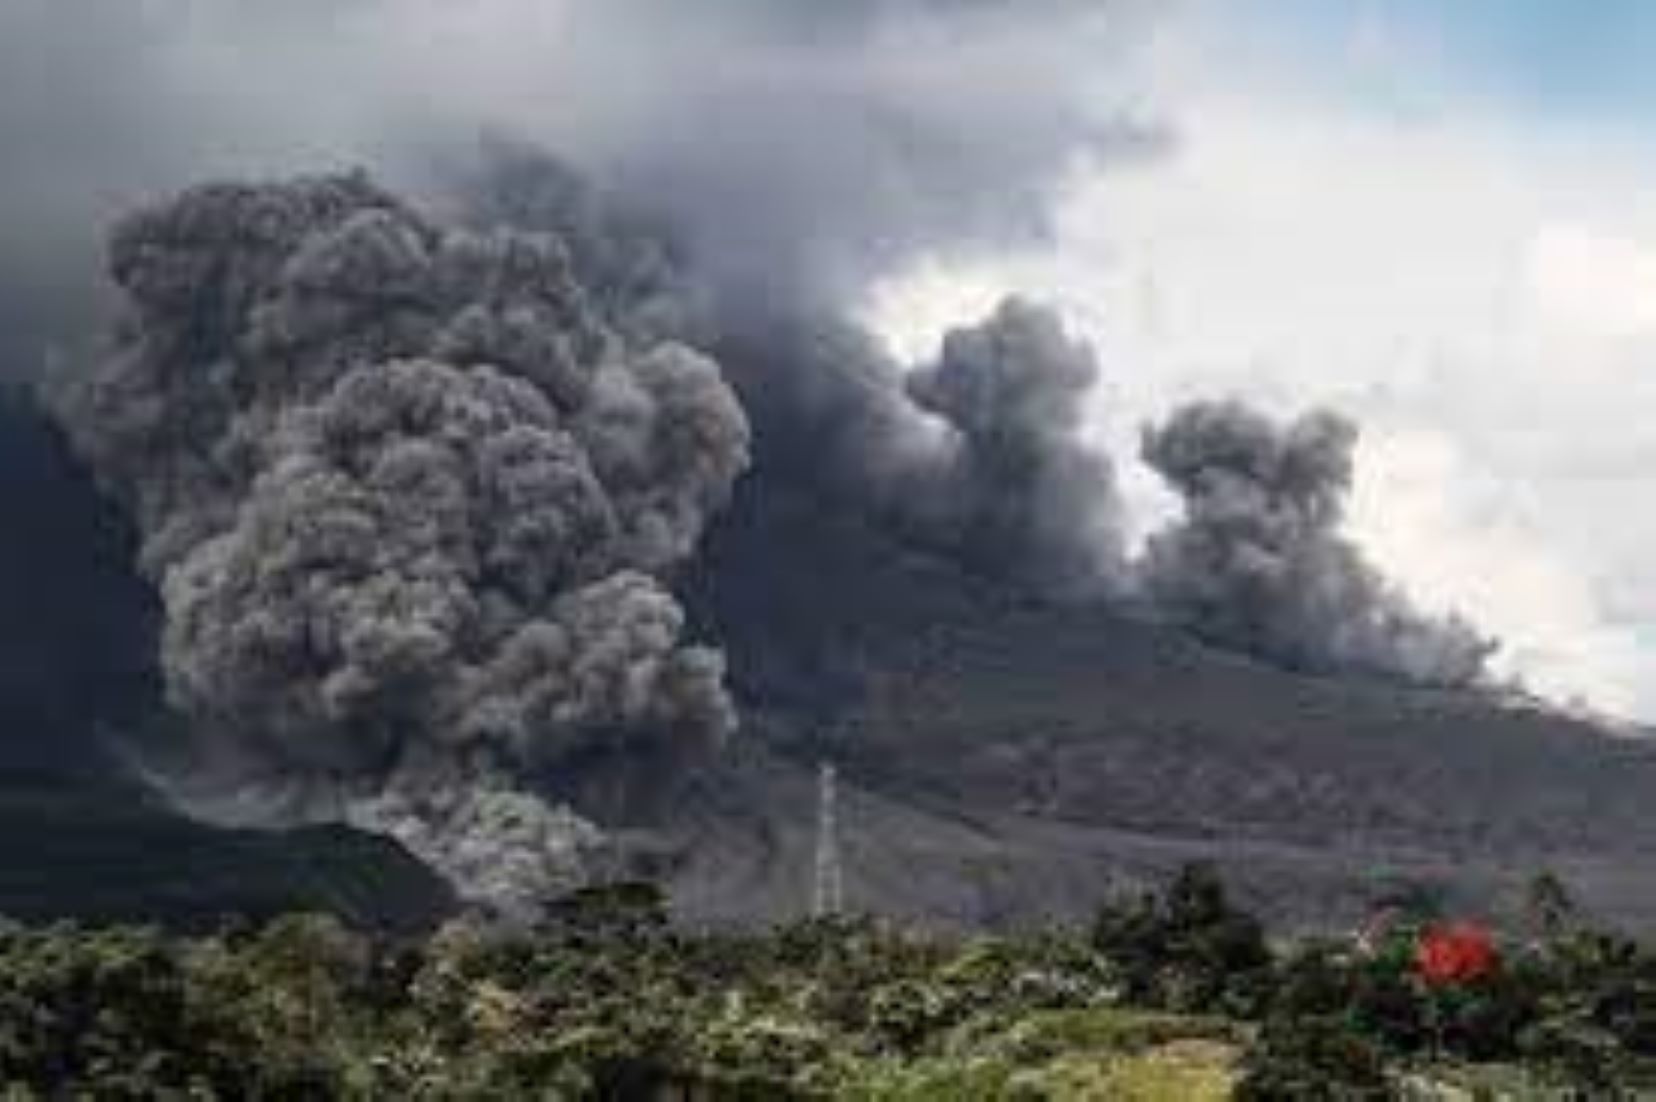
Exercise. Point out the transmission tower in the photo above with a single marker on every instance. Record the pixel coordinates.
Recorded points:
(828, 896)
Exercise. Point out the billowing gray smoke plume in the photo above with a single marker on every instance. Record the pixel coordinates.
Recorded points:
(798, 150)
(1022, 492)
(979, 454)
(407, 500)
(1258, 563)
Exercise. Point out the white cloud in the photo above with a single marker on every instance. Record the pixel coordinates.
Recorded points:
(1479, 291)
(1595, 282)
(1448, 531)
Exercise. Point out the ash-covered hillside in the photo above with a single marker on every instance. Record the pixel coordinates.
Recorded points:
(1006, 759)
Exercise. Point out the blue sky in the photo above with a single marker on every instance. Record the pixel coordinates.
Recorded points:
(1553, 56)
(1554, 59)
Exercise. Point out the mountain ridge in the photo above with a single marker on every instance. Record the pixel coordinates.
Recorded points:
(988, 729)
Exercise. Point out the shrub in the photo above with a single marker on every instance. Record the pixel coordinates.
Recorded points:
(1190, 950)
(1312, 1058)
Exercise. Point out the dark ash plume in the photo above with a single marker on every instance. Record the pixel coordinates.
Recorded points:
(407, 500)
(634, 264)
(1258, 563)
(1023, 493)
(847, 139)
(849, 142)
(978, 455)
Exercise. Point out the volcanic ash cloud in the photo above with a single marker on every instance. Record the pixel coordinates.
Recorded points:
(409, 504)
(1025, 493)
(982, 453)
(1258, 562)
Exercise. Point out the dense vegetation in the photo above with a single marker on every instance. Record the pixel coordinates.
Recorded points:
(1173, 997)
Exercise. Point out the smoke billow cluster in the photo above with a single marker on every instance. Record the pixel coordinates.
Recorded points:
(798, 151)
(1258, 563)
(1025, 495)
(632, 259)
(407, 500)
(982, 453)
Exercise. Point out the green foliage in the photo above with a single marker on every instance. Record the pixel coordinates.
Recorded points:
(1373, 994)
(606, 1002)
(629, 909)
(279, 1012)
(1190, 950)
(99, 1007)
(128, 1014)
(1177, 997)
(1313, 1058)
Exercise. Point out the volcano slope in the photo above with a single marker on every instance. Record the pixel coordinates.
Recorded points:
(1005, 762)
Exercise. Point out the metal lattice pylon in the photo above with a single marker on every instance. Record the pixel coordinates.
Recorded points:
(828, 894)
